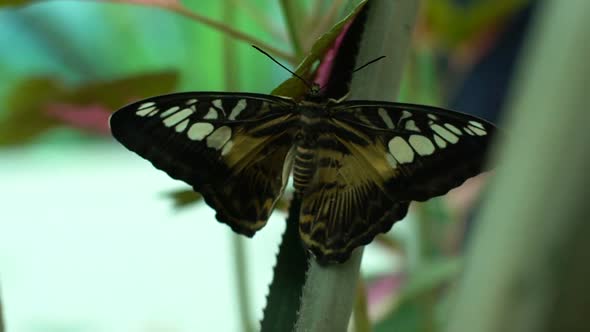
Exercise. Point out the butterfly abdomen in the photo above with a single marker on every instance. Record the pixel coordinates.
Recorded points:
(303, 167)
(310, 118)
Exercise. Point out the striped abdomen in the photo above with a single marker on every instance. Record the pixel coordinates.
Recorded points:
(303, 167)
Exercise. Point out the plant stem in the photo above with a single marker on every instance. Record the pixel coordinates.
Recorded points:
(263, 21)
(292, 13)
(177, 7)
(230, 63)
(242, 282)
(527, 267)
(321, 23)
(361, 314)
(230, 73)
(328, 294)
(226, 29)
(388, 32)
(425, 302)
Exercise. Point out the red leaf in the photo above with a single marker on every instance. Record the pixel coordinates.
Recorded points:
(94, 118)
(325, 68)
(155, 3)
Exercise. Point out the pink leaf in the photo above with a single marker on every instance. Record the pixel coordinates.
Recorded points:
(382, 292)
(325, 68)
(155, 3)
(93, 118)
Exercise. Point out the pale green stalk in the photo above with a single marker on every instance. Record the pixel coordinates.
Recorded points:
(329, 292)
(528, 265)
(231, 72)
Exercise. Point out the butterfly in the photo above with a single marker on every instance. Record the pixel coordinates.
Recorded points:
(356, 165)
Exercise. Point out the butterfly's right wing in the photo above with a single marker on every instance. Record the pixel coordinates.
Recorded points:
(430, 150)
(234, 149)
(374, 160)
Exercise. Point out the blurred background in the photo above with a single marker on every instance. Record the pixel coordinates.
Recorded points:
(91, 236)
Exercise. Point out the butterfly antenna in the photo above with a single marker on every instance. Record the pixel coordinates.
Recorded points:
(368, 63)
(280, 64)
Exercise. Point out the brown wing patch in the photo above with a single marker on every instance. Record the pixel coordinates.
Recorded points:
(258, 170)
(377, 158)
(433, 149)
(346, 204)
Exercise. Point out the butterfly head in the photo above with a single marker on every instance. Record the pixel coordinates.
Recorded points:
(314, 95)
(315, 89)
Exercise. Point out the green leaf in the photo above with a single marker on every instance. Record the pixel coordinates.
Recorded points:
(293, 87)
(155, 3)
(183, 198)
(4, 3)
(293, 13)
(430, 276)
(418, 302)
(25, 120)
(29, 102)
(116, 93)
(456, 22)
(406, 317)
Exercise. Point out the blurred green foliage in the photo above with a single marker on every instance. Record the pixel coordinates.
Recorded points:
(109, 54)
(456, 22)
(29, 102)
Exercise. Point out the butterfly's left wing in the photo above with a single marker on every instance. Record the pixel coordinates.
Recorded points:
(375, 159)
(232, 148)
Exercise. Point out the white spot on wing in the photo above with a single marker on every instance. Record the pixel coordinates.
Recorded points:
(169, 111)
(235, 112)
(432, 116)
(386, 118)
(154, 112)
(145, 111)
(199, 130)
(476, 124)
(177, 117)
(454, 129)
(217, 103)
(440, 142)
(422, 145)
(469, 131)
(405, 115)
(390, 160)
(211, 115)
(146, 105)
(411, 125)
(181, 126)
(478, 131)
(227, 148)
(444, 133)
(219, 137)
(191, 101)
(400, 150)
